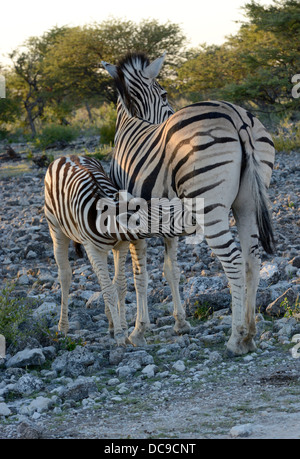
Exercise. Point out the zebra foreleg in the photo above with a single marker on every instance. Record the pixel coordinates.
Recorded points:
(60, 247)
(138, 250)
(172, 275)
(120, 252)
(98, 259)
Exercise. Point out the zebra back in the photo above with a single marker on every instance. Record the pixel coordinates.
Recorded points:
(201, 150)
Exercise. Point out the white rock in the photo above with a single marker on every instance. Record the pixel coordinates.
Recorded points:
(242, 430)
(45, 309)
(4, 410)
(179, 365)
(23, 280)
(27, 357)
(113, 382)
(149, 370)
(40, 404)
(270, 272)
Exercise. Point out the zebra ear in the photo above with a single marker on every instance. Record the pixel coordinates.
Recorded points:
(111, 69)
(153, 69)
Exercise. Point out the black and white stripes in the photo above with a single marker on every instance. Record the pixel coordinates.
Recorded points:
(82, 205)
(213, 150)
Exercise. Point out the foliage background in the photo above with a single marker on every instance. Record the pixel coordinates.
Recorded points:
(56, 86)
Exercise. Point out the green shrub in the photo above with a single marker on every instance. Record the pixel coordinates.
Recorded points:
(287, 137)
(102, 153)
(108, 116)
(53, 134)
(13, 312)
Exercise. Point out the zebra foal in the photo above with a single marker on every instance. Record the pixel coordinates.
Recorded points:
(214, 150)
(78, 194)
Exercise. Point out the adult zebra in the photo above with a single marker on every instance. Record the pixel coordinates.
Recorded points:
(82, 205)
(213, 150)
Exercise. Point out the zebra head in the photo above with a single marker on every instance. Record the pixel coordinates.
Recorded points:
(140, 93)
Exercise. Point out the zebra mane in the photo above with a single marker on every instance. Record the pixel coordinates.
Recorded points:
(132, 61)
(137, 61)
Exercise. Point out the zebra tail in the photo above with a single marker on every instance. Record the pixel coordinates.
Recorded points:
(263, 217)
(78, 249)
(262, 203)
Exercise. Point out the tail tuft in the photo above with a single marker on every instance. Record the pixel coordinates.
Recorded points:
(78, 249)
(263, 217)
(265, 229)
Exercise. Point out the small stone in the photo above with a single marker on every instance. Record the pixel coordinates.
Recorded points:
(113, 382)
(125, 372)
(31, 255)
(179, 366)
(116, 398)
(28, 384)
(45, 309)
(215, 356)
(23, 280)
(40, 404)
(270, 273)
(149, 370)
(290, 270)
(4, 410)
(27, 357)
(116, 355)
(242, 430)
(28, 431)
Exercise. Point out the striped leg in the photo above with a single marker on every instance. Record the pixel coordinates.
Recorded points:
(220, 240)
(249, 242)
(98, 259)
(138, 250)
(245, 215)
(172, 275)
(60, 247)
(120, 252)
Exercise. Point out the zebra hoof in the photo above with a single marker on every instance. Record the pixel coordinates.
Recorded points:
(63, 328)
(237, 348)
(120, 339)
(183, 327)
(137, 339)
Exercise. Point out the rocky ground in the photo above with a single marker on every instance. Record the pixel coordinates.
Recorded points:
(181, 387)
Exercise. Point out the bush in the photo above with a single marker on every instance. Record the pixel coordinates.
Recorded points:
(13, 312)
(287, 137)
(108, 117)
(56, 134)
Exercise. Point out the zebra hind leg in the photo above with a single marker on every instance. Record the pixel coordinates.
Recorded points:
(221, 242)
(245, 216)
(138, 250)
(172, 275)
